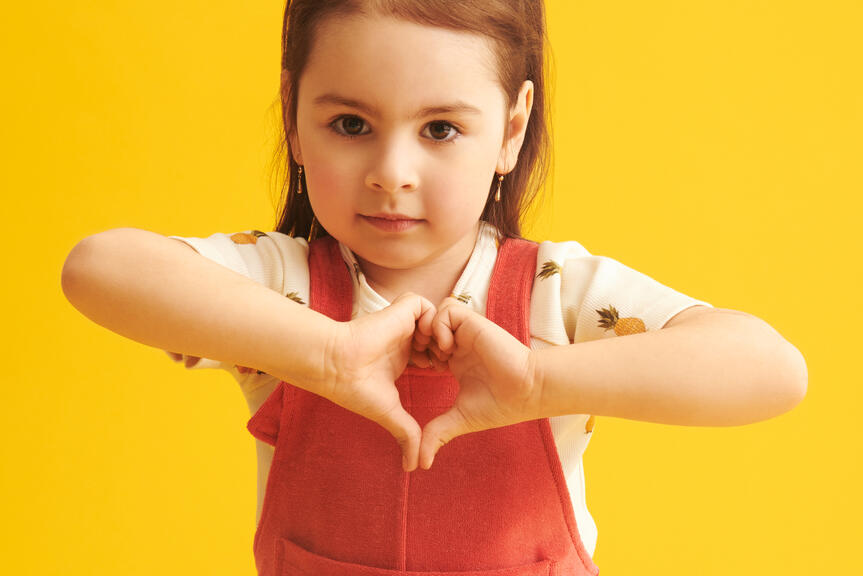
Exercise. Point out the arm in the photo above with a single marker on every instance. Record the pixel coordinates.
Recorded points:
(706, 367)
(157, 291)
(161, 292)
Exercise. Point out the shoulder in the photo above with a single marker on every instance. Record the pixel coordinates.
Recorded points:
(551, 256)
(273, 245)
(272, 258)
(593, 296)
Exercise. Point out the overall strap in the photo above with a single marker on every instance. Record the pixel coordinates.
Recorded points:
(508, 303)
(330, 292)
(330, 284)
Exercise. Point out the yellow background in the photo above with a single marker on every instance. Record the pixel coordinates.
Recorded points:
(714, 146)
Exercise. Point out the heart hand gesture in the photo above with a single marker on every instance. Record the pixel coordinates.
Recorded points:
(498, 383)
(366, 357)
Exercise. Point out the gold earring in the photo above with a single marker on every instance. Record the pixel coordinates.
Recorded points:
(300, 180)
(499, 182)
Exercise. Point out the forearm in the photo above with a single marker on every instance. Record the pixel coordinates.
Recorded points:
(721, 369)
(155, 291)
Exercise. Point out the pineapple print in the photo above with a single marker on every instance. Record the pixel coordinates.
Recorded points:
(464, 297)
(608, 318)
(247, 238)
(549, 269)
(295, 297)
(588, 427)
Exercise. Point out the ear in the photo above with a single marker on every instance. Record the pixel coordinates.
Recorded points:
(285, 86)
(516, 129)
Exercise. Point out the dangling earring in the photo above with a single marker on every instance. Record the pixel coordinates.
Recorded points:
(300, 180)
(499, 182)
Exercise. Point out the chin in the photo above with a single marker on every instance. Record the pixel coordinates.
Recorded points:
(392, 256)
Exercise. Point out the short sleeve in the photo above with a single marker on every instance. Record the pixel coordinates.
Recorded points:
(273, 259)
(601, 297)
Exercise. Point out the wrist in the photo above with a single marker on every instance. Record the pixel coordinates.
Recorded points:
(549, 401)
(537, 385)
(308, 340)
(337, 336)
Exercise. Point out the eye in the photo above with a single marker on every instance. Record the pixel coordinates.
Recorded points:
(448, 129)
(350, 125)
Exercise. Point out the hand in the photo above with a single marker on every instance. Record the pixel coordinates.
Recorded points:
(496, 373)
(366, 357)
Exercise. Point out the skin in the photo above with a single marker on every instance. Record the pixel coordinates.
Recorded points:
(738, 368)
(437, 168)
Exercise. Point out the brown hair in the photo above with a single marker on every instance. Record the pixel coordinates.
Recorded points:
(517, 29)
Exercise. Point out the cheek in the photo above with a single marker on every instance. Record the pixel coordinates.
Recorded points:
(458, 196)
(329, 187)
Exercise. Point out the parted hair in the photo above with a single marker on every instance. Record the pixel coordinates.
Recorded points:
(516, 29)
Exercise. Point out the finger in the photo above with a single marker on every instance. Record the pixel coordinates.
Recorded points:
(407, 433)
(438, 432)
(443, 333)
(413, 303)
(420, 358)
(438, 365)
(424, 322)
(449, 318)
(438, 353)
(421, 341)
(404, 312)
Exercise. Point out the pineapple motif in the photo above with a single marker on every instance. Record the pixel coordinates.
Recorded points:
(464, 297)
(608, 318)
(295, 297)
(247, 238)
(588, 427)
(549, 269)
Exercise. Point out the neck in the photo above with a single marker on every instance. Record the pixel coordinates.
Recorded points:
(433, 280)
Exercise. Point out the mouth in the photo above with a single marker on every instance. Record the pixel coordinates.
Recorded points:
(391, 222)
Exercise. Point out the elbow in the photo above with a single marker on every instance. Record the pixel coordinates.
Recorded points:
(79, 263)
(783, 372)
(81, 259)
(800, 373)
(73, 266)
(793, 379)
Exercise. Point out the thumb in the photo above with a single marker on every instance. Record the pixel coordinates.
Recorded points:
(409, 307)
(438, 432)
(407, 433)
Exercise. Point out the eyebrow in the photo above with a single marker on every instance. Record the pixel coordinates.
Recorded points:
(457, 106)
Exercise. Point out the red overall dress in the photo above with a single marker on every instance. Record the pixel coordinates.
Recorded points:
(338, 503)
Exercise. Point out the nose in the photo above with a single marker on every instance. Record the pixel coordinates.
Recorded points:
(393, 168)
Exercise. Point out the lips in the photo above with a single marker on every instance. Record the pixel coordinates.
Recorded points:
(389, 222)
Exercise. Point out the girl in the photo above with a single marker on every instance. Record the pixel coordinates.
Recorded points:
(397, 301)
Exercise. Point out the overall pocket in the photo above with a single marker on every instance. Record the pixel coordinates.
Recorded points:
(294, 560)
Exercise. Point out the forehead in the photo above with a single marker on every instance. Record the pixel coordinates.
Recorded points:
(395, 64)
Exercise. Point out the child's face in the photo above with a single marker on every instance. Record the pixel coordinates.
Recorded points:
(435, 168)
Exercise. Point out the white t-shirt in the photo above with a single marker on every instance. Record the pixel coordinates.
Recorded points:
(576, 297)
